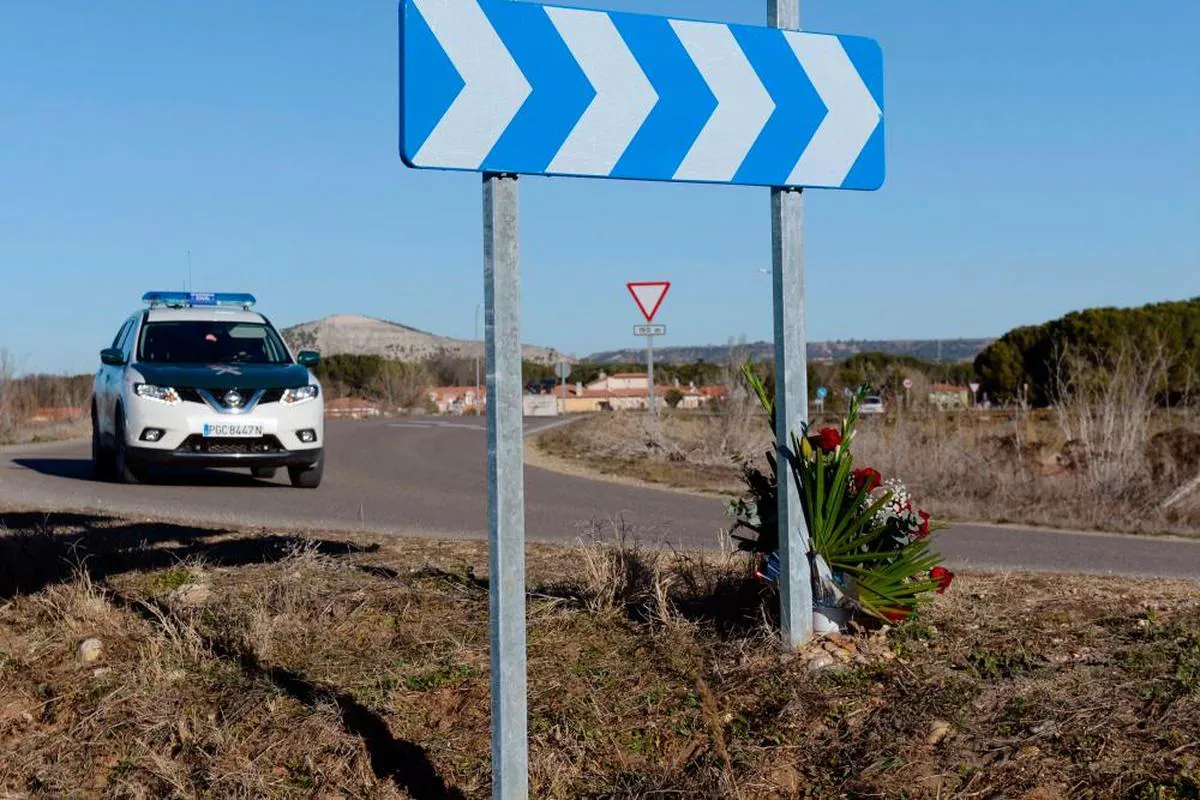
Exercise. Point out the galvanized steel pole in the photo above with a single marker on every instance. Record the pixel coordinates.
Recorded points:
(506, 488)
(650, 404)
(791, 385)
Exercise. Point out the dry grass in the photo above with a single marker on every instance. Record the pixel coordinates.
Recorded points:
(19, 402)
(679, 449)
(1053, 468)
(252, 664)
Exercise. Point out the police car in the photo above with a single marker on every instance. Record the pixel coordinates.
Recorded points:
(202, 379)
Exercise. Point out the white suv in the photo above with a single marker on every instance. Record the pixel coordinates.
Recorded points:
(201, 379)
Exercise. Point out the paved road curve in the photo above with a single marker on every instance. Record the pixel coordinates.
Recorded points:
(425, 477)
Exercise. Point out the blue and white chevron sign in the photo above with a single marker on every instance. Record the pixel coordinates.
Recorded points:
(517, 87)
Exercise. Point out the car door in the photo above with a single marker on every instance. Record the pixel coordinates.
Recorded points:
(109, 382)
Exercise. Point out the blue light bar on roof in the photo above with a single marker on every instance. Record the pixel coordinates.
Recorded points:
(191, 299)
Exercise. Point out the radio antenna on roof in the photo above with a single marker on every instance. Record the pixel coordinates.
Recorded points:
(188, 287)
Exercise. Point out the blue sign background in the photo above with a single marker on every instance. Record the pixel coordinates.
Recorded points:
(500, 86)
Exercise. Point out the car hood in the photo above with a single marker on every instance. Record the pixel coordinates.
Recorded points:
(225, 376)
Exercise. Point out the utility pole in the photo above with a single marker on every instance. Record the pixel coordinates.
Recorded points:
(791, 385)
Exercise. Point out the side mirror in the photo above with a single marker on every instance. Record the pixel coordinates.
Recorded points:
(112, 356)
(308, 358)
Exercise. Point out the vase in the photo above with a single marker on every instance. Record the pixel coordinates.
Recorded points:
(830, 619)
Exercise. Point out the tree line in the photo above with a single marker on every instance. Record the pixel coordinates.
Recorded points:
(1030, 363)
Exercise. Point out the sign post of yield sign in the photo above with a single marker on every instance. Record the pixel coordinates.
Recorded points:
(562, 370)
(649, 296)
(507, 88)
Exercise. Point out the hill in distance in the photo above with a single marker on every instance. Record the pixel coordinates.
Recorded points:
(945, 350)
(346, 334)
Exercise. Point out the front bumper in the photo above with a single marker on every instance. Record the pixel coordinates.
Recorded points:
(182, 422)
(279, 458)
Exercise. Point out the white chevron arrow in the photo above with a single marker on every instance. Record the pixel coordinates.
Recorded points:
(624, 96)
(852, 118)
(743, 104)
(493, 92)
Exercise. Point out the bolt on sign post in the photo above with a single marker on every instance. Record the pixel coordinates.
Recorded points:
(506, 88)
(649, 296)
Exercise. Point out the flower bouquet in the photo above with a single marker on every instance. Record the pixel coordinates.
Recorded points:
(869, 544)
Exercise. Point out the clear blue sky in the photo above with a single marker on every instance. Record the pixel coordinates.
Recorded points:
(1042, 157)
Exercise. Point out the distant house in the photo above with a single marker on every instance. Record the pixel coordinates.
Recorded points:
(456, 399)
(351, 408)
(629, 391)
(947, 396)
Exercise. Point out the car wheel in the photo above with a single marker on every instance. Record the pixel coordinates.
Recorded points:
(102, 457)
(263, 473)
(308, 477)
(125, 472)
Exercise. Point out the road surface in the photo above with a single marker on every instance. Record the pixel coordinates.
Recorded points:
(426, 477)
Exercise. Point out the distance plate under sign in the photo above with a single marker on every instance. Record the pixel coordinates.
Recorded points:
(649, 330)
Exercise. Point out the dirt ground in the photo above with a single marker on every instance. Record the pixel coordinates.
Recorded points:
(150, 660)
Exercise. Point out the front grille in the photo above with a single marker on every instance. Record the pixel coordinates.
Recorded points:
(230, 447)
(191, 395)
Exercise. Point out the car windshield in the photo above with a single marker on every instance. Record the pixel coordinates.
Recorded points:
(211, 342)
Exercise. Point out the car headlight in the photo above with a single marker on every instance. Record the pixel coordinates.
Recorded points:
(301, 395)
(163, 394)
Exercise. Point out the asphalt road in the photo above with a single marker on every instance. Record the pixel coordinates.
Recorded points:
(426, 477)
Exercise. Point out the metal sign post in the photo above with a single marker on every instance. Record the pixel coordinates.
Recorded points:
(563, 370)
(650, 404)
(791, 385)
(650, 331)
(506, 488)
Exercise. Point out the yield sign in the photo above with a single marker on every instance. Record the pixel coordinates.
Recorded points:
(649, 296)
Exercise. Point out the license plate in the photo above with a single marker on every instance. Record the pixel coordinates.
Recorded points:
(232, 430)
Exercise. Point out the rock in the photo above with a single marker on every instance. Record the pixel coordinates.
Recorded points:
(820, 661)
(91, 650)
(192, 595)
(938, 731)
(100, 672)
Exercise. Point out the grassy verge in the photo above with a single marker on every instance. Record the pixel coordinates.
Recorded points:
(999, 468)
(258, 664)
(42, 432)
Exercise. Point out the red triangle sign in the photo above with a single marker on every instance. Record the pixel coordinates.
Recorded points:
(649, 296)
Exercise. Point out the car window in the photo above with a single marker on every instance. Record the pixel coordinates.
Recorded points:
(126, 344)
(211, 342)
(120, 337)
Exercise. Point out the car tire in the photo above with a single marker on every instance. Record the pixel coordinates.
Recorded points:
(263, 473)
(103, 467)
(124, 471)
(308, 477)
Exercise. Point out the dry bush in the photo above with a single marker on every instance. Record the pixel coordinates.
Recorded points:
(1106, 416)
(9, 407)
(622, 576)
(401, 385)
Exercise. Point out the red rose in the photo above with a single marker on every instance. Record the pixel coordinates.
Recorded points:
(942, 577)
(923, 531)
(827, 439)
(865, 479)
(896, 614)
